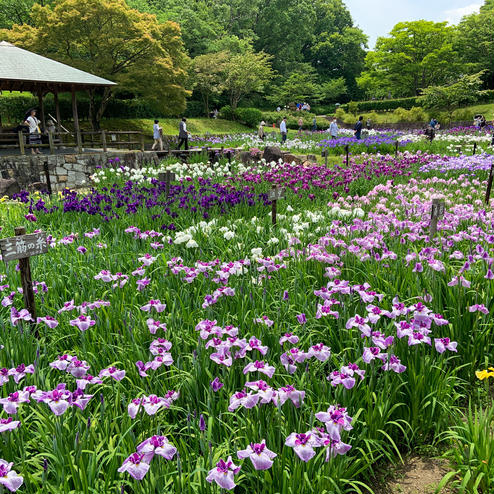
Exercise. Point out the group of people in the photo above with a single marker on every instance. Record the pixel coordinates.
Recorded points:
(434, 124)
(333, 128)
(296, 106)
(183, 135)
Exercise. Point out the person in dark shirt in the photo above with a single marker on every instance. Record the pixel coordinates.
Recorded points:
(358, 128)
(183, 134)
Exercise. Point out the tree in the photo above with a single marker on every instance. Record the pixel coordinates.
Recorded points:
(109, 39)
(283, 28)
(415, 55)
(246, 73)
(208, 74)
(336, 48)
(304, 85)
(14, 12)
(475, 44)
(299, 86)
(332, 90)
(449, 98)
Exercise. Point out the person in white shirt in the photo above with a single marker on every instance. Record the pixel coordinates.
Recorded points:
(333, 129)
(157, 136)
(34, 133)
(283, 130)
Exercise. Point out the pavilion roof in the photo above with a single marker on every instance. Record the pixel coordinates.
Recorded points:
(22, 70)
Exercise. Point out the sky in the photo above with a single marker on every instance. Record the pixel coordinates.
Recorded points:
(377, 17)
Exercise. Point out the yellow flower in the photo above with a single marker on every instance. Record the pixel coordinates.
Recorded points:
(484, 374)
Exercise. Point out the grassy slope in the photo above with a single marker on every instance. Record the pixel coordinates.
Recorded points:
(170, 125)
(486, 109)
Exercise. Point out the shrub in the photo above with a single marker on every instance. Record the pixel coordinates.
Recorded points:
(463, 114)
(248, 116)
(340, 113)
(227, 113)
(353, 107)
(418, 114)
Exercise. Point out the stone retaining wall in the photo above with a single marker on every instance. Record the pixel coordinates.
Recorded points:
(66, 170)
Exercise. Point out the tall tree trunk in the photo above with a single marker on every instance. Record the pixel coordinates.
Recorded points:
(96, 111)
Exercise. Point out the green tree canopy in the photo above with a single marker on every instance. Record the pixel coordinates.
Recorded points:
(448, 98)
(414, 55)
(246, 73)
(207, 75)
(474, 41)
(109, 39)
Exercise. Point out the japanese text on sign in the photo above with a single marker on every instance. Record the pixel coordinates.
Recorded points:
(438, 209)
(23, 246)
(275, 194)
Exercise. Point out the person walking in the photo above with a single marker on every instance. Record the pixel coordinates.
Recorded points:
(157, 136)
(333, 129)
(183, 134)
(283, 130)
(314, 124)
(34, 133)
(368, 124)
(358, 128)
(300, 125)
(260, 131)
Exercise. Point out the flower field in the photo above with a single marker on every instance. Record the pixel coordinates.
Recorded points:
(455, 141)
(188, 345)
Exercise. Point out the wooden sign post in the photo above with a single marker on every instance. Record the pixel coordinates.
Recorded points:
(347, 150)
(274, 195)
(167, 177)
(324, 154)
(437, 212)
(22, 247)
(489, 185)
(396, 148)
(474, 148)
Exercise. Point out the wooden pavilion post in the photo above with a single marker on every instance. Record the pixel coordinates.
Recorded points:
(57, 110)
(76, 121)
(41, 110)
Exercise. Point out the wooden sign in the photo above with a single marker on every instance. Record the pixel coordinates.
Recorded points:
(23, 246)
(438, 208)
(275, 194)
(167, 177)
(437, 211)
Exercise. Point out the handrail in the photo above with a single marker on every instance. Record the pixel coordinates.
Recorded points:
(78, 139)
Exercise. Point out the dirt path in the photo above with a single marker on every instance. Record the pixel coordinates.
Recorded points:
(418, 475)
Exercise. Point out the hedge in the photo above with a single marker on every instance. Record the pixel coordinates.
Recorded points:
(13, 108)
(406, 103)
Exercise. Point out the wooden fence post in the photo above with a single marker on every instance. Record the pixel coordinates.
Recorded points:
(273, 209)
(21, 142)
(47, 177)
(142, 142)
(27, 282)
(103, 141)
(50, 142)
(489, 185)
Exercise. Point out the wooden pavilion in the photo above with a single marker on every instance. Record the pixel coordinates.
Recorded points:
(22, 70)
